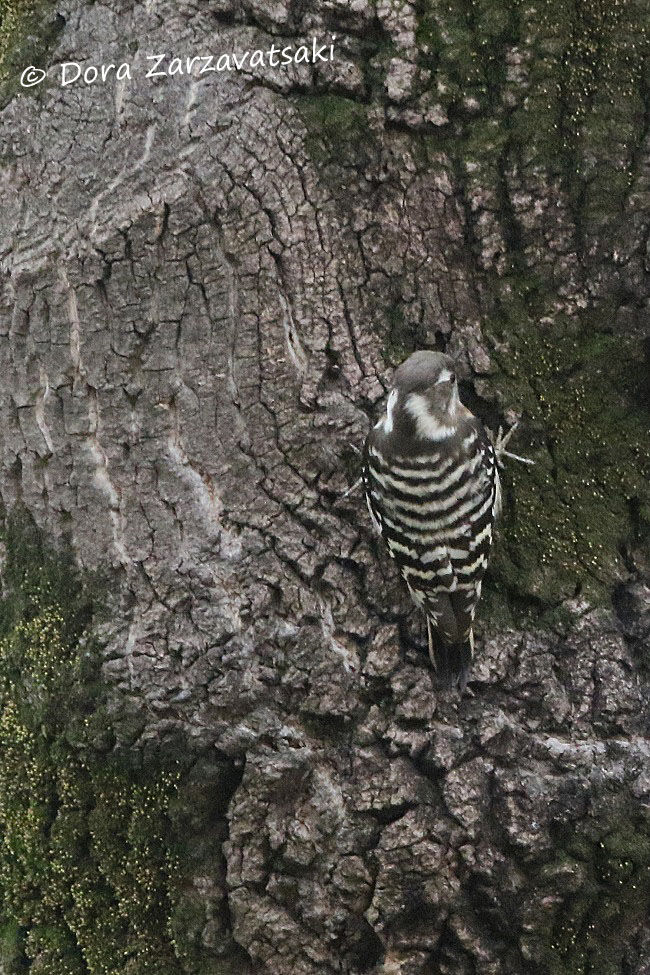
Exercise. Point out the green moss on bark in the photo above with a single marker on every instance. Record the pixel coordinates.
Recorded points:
(87, 860)
(557, 89)
(580, 518)
(337, 129)
(399, 342)
(595, 895)
(565, 82)
(28, 29)
(99, 846)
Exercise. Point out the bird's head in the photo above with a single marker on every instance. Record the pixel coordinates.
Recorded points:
(426, 389)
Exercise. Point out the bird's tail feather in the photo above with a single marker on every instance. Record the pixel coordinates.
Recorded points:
(450, 660)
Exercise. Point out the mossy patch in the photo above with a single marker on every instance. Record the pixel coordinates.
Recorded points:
(564, 81)
(572, 102)
(556, 91)
(462, 45)
(28, 29)
(337, 129)
(95, 845)
(86, 860)
(596, 893)
(580, 518)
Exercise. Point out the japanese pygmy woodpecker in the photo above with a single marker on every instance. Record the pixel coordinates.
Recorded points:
(432, 486)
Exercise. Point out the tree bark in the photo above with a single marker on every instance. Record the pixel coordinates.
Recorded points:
(206, 284)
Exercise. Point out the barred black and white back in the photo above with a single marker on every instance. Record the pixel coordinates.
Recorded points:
(432, 487)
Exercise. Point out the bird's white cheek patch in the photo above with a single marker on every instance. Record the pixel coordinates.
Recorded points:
(426, 424)
(387, 423)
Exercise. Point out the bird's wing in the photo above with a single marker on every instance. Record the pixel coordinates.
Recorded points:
(470, 548)
(373, 498)
(426, 568)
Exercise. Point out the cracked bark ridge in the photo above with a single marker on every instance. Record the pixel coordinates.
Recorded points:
(191, 341)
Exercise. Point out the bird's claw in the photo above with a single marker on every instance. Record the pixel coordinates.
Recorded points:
(501, 444)
(503, 439)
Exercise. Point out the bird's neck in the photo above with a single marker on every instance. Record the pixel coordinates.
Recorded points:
(429, 424)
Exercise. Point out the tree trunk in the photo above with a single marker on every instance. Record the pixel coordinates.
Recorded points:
(207, 280)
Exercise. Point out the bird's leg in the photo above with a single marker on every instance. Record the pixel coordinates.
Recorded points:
(501, 444)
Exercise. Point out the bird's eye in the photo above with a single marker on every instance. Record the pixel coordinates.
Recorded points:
(445, 377)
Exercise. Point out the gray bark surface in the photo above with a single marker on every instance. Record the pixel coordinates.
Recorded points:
(193, 320)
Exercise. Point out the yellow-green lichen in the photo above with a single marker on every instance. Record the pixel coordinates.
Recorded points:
(100, 846)
(87, 861)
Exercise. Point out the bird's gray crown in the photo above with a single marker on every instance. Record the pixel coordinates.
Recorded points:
(421, 370)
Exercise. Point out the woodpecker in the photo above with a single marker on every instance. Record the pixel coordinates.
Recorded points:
(432, 486)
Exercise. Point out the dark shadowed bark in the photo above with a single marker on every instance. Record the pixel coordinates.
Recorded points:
(206, 282)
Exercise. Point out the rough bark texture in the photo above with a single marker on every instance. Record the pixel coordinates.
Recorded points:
(205, 284)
